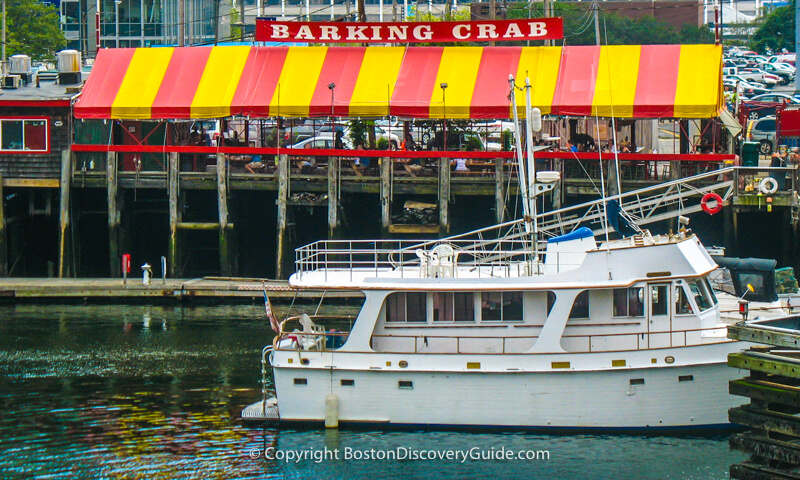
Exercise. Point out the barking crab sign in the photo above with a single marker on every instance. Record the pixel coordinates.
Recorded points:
(409, 32)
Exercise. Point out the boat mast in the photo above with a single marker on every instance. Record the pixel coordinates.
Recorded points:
(530, 199)
(523, 184)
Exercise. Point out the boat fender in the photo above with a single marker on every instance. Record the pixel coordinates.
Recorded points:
(768, 186)
(715, 202)
(331, 411)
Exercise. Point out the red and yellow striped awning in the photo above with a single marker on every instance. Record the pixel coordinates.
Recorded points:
(683, 81)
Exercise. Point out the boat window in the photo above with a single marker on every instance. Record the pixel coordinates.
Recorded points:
(580, 309)
(449, 307)
(551, 300)
(702, 294)
(501, 306)
(682, 305)
(405, 307)
(629, 302)
(659, 299)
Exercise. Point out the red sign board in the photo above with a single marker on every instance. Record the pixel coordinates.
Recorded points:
(410, 32)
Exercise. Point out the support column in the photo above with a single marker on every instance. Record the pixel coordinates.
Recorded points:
(66, 180)
(333, 196)
(112, 186)
(444, 194)
(283, 197)
(222, 205)
(386, 194)
(613, 174)
(499, 191)
(173, 189)
(3, 239)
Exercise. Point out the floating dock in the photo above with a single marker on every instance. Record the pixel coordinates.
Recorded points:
(115, 290)
(773, 387)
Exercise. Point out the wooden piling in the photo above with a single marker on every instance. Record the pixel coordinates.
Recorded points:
(222, 206)
(499, 191)
(173, 190)
(772, 388)
(334, 164)
(66, 181)
(386, 194)
(558, 189)
(112, 186)
(283, 197)
(444, 194)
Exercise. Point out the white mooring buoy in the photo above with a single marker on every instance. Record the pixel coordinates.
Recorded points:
(331, 411)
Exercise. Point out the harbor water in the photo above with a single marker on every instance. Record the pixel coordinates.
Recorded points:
(152, 392)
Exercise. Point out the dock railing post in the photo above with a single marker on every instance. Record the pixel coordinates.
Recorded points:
(66, 182)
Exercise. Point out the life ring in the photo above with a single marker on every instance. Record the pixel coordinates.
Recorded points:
(709, 198)
(768, 186)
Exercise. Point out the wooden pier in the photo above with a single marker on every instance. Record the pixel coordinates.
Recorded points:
(115, 290)
(773, 387)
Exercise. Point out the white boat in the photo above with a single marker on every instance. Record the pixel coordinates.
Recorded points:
(495, 328)
(626, 334)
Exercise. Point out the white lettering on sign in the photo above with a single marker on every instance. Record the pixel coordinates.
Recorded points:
(538, 28)
(376, 32)
(304, 33)
(487, 31)
(356, 33)
(423, 32)
(329, 32)
(457, 31)
(513, 30)
(398, 33)
(280, 31)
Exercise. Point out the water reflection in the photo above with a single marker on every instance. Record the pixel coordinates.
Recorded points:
(152, 392)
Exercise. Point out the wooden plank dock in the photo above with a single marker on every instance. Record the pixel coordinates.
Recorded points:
(773, 388)
(114, 290)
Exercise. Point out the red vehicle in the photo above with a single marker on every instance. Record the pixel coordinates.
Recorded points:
(787, 126)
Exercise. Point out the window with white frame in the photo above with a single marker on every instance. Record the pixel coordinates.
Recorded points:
(24, 135)
(501, 306)
(629, 302)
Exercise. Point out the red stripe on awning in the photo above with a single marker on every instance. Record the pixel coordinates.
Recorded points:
(416, 82)
(178, 88)
(101, 90)
(657, 81)
(341, 67)
(490, 96)
(577, 76)
(259, 81)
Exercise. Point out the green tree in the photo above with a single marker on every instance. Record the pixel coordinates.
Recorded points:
(776, 31)
(33, 30)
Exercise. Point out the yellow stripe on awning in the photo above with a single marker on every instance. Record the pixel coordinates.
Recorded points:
(141, 83)
(218, 84)
(615, 88)
(699, 81)
(376, 81)
(541, 65)
(458, 69)
(298, 81)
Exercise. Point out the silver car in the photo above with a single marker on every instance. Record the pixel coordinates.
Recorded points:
(763, 132)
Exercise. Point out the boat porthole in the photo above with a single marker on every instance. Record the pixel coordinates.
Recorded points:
(304, 361)
(670, 359)
(402, 364)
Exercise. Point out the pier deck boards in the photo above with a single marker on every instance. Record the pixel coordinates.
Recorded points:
(110, 290)
(773, 388)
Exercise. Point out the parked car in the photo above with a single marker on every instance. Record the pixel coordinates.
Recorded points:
(785, 75)
(756, 75)
(776, 97)
(763, 132)
(789, 58)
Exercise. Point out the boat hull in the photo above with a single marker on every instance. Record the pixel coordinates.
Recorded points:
(513, 390)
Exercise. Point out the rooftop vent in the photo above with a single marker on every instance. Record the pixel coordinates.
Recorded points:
(69, 67)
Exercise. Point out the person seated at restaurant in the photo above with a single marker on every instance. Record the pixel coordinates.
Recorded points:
(408, 144)
(305, 164)
(460, 163)
(571, 147)
(255, 165)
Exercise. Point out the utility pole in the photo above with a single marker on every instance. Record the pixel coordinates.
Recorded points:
(181, 24)
(595, 6)
(3, 53)
(492, 14)
(548, 42)
(362, 14)
(796, 40)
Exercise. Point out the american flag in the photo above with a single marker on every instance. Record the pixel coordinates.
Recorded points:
(273, 321)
